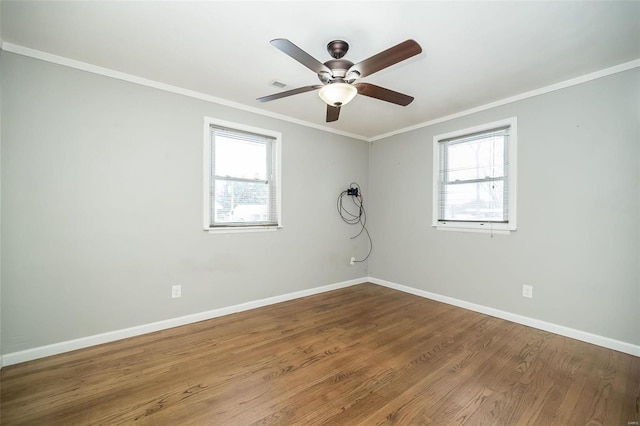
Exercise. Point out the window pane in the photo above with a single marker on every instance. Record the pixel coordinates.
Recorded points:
(474, 178)
(241, 202)
(240, 159)
(477, 159)
(478, 201)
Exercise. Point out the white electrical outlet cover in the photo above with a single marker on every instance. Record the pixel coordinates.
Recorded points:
(176, 291)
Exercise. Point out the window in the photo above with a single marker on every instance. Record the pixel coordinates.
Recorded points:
(474, 181)
(242, 179)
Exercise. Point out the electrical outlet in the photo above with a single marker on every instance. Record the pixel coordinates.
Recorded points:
(527, 291)
(176, 291)
(352, 261)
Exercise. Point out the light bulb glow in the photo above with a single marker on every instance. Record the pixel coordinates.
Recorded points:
(337, 94)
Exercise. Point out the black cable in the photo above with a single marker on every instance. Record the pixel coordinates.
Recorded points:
(354, 219)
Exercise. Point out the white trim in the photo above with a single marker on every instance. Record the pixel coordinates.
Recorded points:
(111, 336)
(242, 229)
(561, 330)
(490, 229)
(276, 164)
(83, 66)
(206, 171)
(541, 91)
(71, 63)
(85, 342)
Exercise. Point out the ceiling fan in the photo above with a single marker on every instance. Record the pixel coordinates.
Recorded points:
(338, 75)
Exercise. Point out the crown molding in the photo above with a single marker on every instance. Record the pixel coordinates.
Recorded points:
(107, 72)
(541, 91)
(83, 66)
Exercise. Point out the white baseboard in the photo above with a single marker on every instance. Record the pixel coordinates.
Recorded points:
(584, 336)
(85, 342)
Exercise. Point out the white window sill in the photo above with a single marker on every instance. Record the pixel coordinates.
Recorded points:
(478, 228)
(242, 229)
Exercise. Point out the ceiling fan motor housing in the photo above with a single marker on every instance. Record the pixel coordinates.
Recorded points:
(337, 48)
(338, 66)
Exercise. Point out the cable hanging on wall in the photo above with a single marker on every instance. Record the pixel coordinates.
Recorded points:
(358, 218)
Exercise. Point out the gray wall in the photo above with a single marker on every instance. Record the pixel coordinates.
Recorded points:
(102, 208)
(102, 203)
(578, 232)
(1, 55)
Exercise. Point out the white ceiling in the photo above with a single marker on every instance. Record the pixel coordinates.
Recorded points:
(474, 53)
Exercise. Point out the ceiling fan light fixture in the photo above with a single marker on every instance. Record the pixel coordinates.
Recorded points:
(337, 94)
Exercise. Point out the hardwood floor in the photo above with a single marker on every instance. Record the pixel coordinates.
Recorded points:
(361, 355)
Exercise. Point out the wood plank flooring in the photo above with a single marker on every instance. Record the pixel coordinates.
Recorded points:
(362, 355)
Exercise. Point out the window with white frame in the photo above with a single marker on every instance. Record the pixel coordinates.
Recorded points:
(474, 180)
(242, 177)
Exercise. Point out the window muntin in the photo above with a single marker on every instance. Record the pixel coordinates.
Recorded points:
(474, 178)
(242, 178)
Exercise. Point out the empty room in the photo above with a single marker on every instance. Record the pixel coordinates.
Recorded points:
(304, 213)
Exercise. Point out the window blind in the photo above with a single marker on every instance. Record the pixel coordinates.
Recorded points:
(243, 185)
(473, 177)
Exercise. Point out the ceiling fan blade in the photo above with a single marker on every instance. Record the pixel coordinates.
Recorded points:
(333, 112)
(373, 91)
(386, 58)
(289, 93)
(300, 55)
